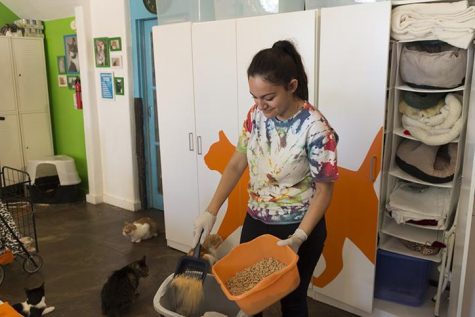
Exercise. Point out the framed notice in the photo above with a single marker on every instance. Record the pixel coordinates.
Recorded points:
(107, 86)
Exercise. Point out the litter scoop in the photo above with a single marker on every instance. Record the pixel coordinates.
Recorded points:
(193, 266)
(187, 283)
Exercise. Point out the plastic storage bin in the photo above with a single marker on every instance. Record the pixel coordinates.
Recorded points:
(401, 279)
(214, 300)
(270, 289)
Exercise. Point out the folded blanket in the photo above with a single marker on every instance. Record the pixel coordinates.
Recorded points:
(417, 202)
(429, 115)
(439, 129)
(453, 22)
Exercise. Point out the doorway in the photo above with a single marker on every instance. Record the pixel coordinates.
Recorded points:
(150, 128)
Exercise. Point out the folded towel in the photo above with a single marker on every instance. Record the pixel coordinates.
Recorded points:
(417, 202)
(453, 22)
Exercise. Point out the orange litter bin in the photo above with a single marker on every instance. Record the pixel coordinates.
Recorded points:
(271, 288)
(7, 311)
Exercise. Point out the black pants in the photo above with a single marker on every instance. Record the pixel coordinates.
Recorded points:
(294, 304)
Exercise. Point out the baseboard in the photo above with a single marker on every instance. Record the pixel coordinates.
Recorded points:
(122, 203)
(94, 199)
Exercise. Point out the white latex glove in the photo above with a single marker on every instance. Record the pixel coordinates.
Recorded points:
(205, 222)
(295, 240)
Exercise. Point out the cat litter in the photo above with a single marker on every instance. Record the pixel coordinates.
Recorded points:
(214, 303)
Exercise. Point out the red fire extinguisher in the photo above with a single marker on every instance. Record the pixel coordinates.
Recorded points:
(77, 88)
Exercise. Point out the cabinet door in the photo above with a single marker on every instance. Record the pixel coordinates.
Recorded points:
(36, 135)
(7, 87)
(352, 95)
(216, 111)
(10, 141)
(257, 33)
(176, 119)
(30, 72)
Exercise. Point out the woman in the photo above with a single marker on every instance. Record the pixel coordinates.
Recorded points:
(291, 152)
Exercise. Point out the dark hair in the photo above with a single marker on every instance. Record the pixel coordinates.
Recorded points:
(279, 65)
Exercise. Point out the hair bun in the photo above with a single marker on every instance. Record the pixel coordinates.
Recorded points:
(285, 46)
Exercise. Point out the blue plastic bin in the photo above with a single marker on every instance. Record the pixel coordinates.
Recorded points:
(401, 279)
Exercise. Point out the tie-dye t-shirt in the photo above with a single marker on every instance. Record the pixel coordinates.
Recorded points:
(285, 160)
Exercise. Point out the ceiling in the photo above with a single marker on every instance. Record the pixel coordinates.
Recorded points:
(43, 9)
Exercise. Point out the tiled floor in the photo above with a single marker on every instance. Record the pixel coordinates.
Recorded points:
(82, 244)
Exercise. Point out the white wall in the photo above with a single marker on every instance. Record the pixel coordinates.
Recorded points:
(113, 121)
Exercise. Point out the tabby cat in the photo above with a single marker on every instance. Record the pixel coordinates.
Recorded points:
(120, 289)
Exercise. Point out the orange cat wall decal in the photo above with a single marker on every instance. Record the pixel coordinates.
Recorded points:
(352, 213)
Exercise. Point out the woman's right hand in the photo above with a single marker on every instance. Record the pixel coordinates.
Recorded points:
(205, 221)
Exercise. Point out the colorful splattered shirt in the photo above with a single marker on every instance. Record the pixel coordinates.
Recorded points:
(285, 160)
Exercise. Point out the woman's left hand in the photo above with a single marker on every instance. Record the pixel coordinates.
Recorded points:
(295, 240)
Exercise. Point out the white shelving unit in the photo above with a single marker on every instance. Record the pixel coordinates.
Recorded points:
(390, 232)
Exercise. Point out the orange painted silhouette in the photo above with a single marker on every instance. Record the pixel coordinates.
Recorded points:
(216, 159)
(352, 213)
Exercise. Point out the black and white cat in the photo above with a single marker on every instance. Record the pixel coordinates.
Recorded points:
(120, 289)
(35, 304)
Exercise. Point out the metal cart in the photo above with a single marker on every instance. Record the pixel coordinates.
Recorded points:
(17, 222)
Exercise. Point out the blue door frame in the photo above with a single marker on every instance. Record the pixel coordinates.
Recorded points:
(148, 89)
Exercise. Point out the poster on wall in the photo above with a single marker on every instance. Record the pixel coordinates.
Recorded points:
(119, 86)
(107, 88)
(101, 51)
(71, 54)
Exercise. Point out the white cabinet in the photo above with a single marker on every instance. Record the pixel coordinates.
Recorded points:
(25, 124)
(176, 121)
(196, 97)
(353, 61)
(10, 141)
(214, 70)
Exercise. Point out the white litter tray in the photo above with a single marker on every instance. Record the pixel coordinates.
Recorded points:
(214, 301)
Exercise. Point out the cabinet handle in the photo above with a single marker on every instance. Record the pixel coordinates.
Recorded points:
(2, 118)
(199, 145)
(372, 164)
(191, 145)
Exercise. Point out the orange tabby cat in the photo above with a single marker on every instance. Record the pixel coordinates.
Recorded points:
(209, 248)
(141, 229)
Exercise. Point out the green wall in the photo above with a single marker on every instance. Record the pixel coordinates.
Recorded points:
(68, 123)
(6, 15)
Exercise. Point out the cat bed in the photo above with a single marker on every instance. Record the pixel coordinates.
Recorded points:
(410, 201)
(214, 300)
(433, 164)
(424, 115)
(422, 100)
(54, 179)
(439, 129)
(433, 65)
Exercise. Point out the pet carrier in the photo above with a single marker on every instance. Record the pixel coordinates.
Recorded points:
(17, 222)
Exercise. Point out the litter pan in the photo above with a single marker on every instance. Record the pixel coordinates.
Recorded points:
(214, 300)
(271, 288)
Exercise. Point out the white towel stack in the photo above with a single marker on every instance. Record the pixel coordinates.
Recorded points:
(453, 22)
